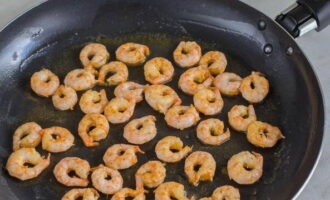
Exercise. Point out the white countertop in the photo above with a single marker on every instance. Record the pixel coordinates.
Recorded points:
(316, 47)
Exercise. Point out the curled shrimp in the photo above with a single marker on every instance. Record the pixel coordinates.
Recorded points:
(216, 62)
(170, 149)
(187, 54)
(195, 79)
(127, 192)
(228, 83)
(240, 117)
(211, 131)
(140, 131)
(254, 88)
(208, 101)
(79, 79)
(161, 97)
(65, 98)
(132, 54)
(104, 184)
(150, 174)
(27, 135)
(119, 110)
(121, 156)
(93, 127)
(118, 70)
(44, 83)
(181, 117)
(158, 71)
(245, 168)
(66, 165)
(130, 90)
(205, 164)
(93, 102)
(56, 139)
(18, 160)
(170, 190)
(84, 194)
(226, 192)
(263, 135)
(93, 56)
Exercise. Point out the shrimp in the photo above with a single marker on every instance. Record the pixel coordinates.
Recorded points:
(79, 166)
(263, 135)
(140, 131)
(130, 90)
(199, 166)
(181, 117)
(170, 149)
(56, 139)
(161, 97)
(254, 88)
(226, 192)
(228, 83)
(245, 168)
(240, 117)
(18, 160)
(121, 156)
(158, 71)
(187, 54)
(132, 54)
(26, 135)
(118, 71)
(170, 190)
(93, 127)
(211, 131)
(208, 101)
(65, 98)
(119, 110)
(195, 79)
(79, 79)
(93, 56)
(216, 62)
(44, 83)
(84, 194)
(106, 180)
(93, 102)
(127, 192)
(150, 174)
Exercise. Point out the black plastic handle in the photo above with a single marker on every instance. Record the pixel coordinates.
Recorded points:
(320, 10)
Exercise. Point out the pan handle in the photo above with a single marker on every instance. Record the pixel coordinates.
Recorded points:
(304, 16)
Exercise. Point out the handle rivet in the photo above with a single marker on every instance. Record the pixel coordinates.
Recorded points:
(289, 51)
(268, 49)
(262, 25)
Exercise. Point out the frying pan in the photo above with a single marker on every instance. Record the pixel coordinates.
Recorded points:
(52, 34)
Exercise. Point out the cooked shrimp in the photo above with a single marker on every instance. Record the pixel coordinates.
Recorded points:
(208, 101)
(228, 83)
(161, 97)
(79, 79)
(187, 54)
(216, 62)
(44, 83)
(199, 166)
(121, 156)
(240, 117)
(140, 131)
(26, 135)
(158, 71)
(92, 128)
(106, 180)
(263, 135)
(170, 190)
(181, 117)
(195, 79)
(118, 71)
(150, 174)
(254, 88)
(66, 165)
(56, 139)
(132, 54)
(211, 131)
(65, 98)
(93, 56)
(93, 102)
(170, 149)
(127, 192)
(83, 194)
(245, 168)
(18, 160)
(226, 192)
(130, 90)
(119, 110)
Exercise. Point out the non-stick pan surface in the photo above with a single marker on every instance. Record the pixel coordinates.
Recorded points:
(52, 35)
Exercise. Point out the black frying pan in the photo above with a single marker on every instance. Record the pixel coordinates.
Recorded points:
(52, 34)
